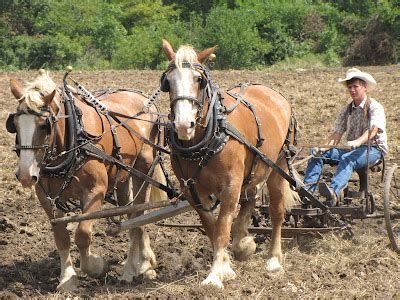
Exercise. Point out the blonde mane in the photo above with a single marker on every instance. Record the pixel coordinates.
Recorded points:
(184, 54)
(34, 91)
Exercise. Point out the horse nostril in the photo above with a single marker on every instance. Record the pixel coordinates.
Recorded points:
(35, 178)
(17, 175)
(192, 124)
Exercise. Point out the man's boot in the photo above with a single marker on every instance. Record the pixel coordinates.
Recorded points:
(328, 193)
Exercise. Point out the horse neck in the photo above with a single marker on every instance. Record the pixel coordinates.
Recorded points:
(61, 122)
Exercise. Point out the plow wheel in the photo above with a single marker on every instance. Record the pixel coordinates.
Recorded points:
(392, 206)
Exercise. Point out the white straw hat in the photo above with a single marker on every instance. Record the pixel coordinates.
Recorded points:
(356, 73)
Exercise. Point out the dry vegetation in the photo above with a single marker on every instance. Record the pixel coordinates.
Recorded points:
(334, 266)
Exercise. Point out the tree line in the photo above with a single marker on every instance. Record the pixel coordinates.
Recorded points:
(251, 34)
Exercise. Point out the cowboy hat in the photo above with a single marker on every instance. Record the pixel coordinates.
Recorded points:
(356, 73)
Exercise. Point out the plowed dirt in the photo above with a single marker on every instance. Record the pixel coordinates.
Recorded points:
(334, 266)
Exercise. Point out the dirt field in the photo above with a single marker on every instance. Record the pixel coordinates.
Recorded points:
(332, 266)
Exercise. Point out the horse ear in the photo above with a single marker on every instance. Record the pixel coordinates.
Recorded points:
(205, 53)
(16, 89)
(169, 52)
(48, 98)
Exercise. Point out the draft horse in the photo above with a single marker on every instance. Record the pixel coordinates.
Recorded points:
(214, 138)
(50, 158)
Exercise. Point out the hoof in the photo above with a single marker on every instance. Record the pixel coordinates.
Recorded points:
(126, 277)
(244, 249)
(274, 267)
(229, 274)
(214, 280)
(150, 274)
(95, 266)
(68, 285)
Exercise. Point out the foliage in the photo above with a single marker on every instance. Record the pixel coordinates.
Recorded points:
(250, 33)
(240, 45)
(378, 44)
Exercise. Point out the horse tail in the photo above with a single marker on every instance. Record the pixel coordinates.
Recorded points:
(291, 197)
(157, 194)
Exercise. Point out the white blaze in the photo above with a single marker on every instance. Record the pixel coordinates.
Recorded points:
(185, 110)
(28, 165)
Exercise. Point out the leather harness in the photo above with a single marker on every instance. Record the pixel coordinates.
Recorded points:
(217, 133)
(80, 145)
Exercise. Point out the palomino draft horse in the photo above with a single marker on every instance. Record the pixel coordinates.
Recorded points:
(213, 136)
(46, 124)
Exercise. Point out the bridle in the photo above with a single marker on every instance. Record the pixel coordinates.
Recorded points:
(49, 145)
(204, 83)
(45, 113)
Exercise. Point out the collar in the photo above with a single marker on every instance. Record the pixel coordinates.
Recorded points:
(362, 104)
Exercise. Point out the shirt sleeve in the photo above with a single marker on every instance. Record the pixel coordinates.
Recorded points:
(377, 114)
(341, 121)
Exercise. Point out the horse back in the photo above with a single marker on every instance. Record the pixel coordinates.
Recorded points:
(272, 110)
(126, 103)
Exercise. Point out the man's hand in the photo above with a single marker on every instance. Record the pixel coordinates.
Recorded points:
(354, 144)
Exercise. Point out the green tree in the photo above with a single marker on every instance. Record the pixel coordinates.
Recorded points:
(240, 45)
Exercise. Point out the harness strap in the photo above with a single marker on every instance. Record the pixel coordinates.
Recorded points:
(133, 132)
(232, 131)
(260, 139)
(93, 151)
(215, 94)
(191, 185)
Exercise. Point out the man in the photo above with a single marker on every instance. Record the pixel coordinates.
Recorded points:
(355, 118)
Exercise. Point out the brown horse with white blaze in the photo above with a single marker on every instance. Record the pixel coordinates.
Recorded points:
(41, 123)
(213, 164)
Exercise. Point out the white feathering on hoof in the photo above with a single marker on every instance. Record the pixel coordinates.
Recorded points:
(274, 266)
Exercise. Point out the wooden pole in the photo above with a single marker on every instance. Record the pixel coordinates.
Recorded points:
(324, 146)
(111, 212)
(287, 232)
(148, 218)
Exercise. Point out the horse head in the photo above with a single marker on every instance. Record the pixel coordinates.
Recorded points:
(32, 123)
(186, 80)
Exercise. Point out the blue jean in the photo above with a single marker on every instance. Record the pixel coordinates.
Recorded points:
(347, 162)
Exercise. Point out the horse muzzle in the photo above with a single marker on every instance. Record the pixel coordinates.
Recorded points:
(185, 130)
(27, 175)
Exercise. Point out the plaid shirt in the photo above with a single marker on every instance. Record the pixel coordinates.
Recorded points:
(353, 120)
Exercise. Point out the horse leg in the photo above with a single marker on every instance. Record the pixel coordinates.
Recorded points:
(140, 257)
(277, 192)
(243, 244)
(93, 265)
(68, 281)
(221, 268)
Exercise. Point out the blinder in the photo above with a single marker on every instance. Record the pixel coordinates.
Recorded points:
(10, 126)
(203, 82)
(48, 126)
(164, 83)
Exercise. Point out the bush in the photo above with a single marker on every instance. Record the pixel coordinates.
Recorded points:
(378, 45)
(240, 45)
